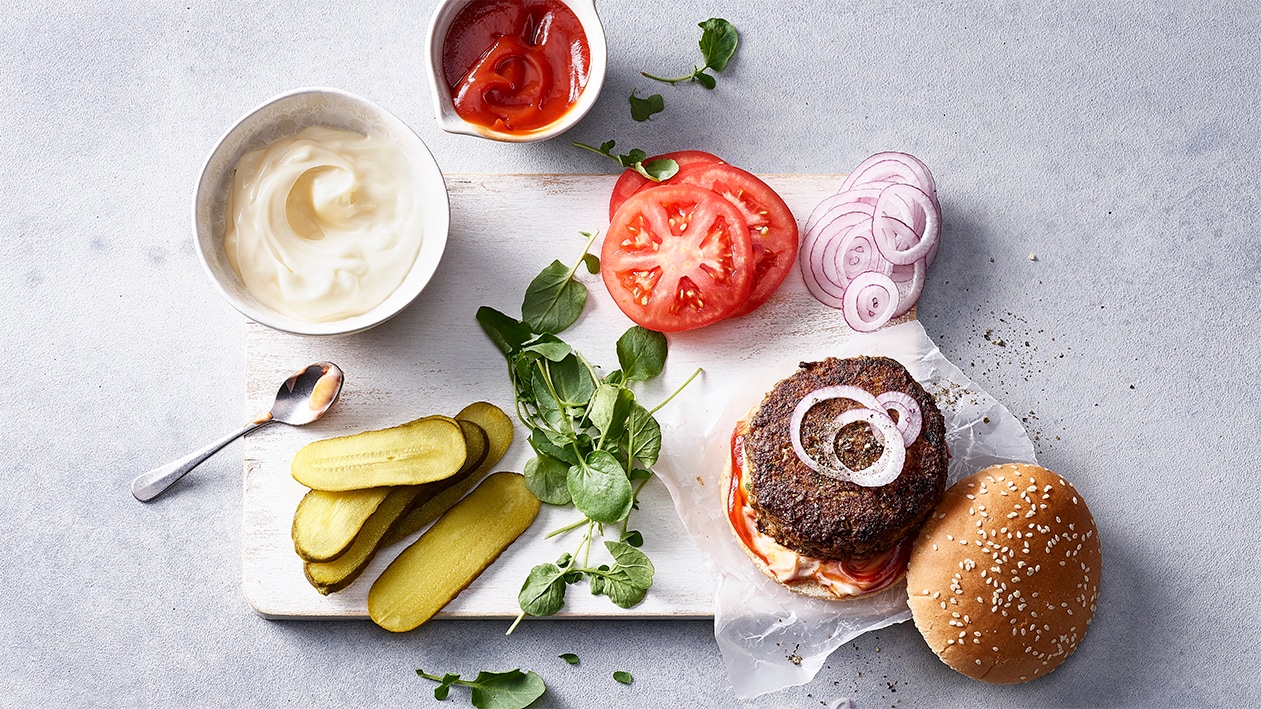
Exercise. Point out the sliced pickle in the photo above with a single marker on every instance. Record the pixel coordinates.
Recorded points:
(415, 453)
(454, 552)
(332, 576)
(326, 523)
(498, 428)
(342, 571)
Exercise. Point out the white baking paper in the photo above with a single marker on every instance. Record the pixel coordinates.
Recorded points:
(771, 638)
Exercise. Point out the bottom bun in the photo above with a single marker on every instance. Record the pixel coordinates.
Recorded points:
(1004, 576)
(857, 588)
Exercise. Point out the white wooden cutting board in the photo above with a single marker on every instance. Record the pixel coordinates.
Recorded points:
(434, 358)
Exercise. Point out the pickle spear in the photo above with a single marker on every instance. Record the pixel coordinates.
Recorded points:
(499, 431)
(421, 451)
(332, 576)
(455, 550)
(326, 523)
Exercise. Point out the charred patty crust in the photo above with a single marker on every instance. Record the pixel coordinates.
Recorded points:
(816, 515)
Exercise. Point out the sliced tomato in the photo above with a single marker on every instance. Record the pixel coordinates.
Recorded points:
(772, 226)
(677, 257)
(631, 182)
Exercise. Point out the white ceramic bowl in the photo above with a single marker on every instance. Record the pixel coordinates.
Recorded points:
(285, 116)
(444, 107)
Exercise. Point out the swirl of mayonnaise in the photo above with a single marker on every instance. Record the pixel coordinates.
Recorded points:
(323, 226)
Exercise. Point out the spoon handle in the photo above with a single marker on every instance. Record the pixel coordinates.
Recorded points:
(156, 481)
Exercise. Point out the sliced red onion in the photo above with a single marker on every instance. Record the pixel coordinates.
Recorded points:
(866, 249)
(863, 199)
(911, 295)
(899, 242)
(910, 419)
(892, 167)
(887, 467)
(870, 300)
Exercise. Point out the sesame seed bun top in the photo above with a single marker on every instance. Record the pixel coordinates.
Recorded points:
(1004, 576)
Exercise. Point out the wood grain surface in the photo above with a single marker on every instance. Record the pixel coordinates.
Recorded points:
(434, 358)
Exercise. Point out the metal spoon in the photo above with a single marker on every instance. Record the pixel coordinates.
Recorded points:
(303, 398)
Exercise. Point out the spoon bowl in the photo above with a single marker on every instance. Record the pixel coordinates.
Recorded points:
(301, 399)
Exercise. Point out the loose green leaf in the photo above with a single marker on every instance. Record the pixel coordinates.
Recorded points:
(553, 300)
(633, 538)
(600, 489)
(513, 689)
(719, 39)
(543, 592)
(639, 474)
(592, 263)
(655, 170)
(507, 334)
(641, 353)
(569, 657)
(548, 479)
(644, 108)
(623, 677)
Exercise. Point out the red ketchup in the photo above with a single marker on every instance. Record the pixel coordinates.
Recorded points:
(515, 66)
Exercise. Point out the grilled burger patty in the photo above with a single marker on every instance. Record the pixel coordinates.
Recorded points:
(835, 519)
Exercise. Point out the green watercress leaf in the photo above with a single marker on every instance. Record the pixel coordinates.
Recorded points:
(644, 108)
(636, 566)
(548, 478)
(543, 444)
(592, 262)
(658, 170)
(550, 347)
(569, 657)
(643, 435)
(599, 488)
(572, 381)
(609, 408)
(543, 592)
(639, 474)
(641, 353)
(719, 39)
(506, 333)
(623, 677)
(633, 538)
(655, 170)
(705, 80)
(513, 689)
(553, 300)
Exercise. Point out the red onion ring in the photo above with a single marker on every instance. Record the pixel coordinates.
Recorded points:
(817, 261)
(887, 467)
(910, 419)
(892, 167)
(870, 300)
(891, 231)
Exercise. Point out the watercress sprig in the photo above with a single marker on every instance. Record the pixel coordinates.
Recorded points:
(594, 443)
(719, 39)
(513, 689)
(655, 170)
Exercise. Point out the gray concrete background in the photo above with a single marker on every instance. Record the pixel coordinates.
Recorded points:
(1116, 141)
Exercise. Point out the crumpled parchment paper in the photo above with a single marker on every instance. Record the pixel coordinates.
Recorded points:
(771, 638)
